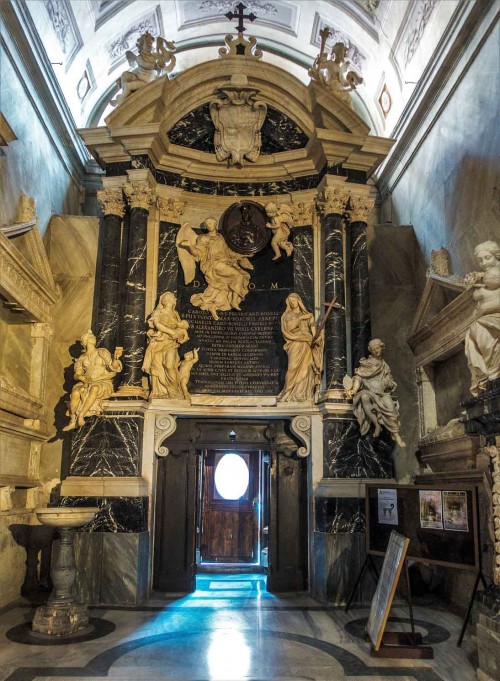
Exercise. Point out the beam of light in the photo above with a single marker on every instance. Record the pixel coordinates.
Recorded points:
(228, 656)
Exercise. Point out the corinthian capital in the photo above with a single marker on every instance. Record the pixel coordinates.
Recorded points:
(139, 195)
(361, 207)
(332, 200)
(171, 209)
(111, 201)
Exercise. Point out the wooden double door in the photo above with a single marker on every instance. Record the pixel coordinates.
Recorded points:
(192, 519)
(232, 512)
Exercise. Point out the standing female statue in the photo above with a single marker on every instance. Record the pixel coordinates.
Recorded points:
(94, 371)
(482, 341)
(305, 358)
(161, 361)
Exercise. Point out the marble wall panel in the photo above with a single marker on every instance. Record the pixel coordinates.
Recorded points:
(337, 559)
(107, 446)
(117, 514)
(167, 258)
(396, 268)
(347, 455)
(15, 352)
(112, 568)
(13, 528)
(31, 163)
(340, 514)
(14, 454)
(88, 561)
(455, 203)
(196, 131)
(125, 568)
(303, 265)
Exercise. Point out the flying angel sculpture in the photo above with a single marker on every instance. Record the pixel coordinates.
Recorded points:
(223, 269)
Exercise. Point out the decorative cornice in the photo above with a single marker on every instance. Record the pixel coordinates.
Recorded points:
(139, 195)
(22, 286)
(111, 202)
(17, 401)
(170, 209)
(332, 200)
(361, 207)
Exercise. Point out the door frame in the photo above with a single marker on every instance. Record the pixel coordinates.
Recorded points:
(162, 433)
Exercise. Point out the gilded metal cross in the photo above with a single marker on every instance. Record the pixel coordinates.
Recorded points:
(240, 16)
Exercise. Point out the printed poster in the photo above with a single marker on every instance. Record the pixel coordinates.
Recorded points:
(431, 509)
(388, 506)
(455, 511)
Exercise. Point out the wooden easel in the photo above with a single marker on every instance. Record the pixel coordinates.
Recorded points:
(392, 644)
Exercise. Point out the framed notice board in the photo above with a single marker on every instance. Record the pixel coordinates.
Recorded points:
(440, 522)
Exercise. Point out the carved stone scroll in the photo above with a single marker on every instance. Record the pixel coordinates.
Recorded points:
(165, 425)
(301, 428)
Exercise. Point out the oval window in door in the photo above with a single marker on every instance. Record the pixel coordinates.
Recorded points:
(231, 477)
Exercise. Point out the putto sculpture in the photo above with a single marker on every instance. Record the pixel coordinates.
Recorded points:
(238, 116)
(94, 371)
(149, 64)
(482, 340)
(280, 222)
(167, 331)
(304, 348)
(371, 390)
(223, 269)
(335, 70)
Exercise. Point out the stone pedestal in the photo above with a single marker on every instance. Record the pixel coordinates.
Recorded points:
(63, 616)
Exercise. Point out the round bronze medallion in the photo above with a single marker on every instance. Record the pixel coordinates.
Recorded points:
(244, 227)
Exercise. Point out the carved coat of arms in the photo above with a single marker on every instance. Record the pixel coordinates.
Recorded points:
(238, 117)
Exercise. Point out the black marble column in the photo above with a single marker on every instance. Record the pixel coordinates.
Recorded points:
(360, 293)
(133, 321)
(335, 329)
(303, 265)
(167, 258)
(108, 282)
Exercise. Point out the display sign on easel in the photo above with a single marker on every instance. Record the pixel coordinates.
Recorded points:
(441, 524)
(392, 643)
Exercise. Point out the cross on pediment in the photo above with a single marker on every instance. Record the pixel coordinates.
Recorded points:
(241, 16)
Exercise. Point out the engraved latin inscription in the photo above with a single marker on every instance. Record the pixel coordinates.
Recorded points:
(240, 352)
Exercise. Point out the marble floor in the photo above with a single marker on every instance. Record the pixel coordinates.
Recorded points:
(230, 629)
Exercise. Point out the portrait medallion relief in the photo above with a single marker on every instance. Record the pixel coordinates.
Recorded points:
(244, 226)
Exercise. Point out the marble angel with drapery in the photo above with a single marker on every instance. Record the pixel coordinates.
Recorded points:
(223, 269)
(304, 350)
(371, 390)
(482, 340)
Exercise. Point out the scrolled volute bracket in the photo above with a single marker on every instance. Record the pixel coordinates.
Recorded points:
(165, 425)
(301, 428)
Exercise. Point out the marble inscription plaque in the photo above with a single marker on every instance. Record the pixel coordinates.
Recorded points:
(241, 353)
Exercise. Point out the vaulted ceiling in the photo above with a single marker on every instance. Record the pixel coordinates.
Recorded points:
(389, 41)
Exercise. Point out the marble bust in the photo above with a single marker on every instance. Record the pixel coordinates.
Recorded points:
(482, 340)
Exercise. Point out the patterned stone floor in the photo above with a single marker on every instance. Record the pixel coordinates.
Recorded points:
(230, 629)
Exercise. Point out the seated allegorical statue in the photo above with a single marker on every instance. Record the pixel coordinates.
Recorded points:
(94, 371)
(167, 331)
(371, 390)
(304, 350)
(223, 269)
(482, 340)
